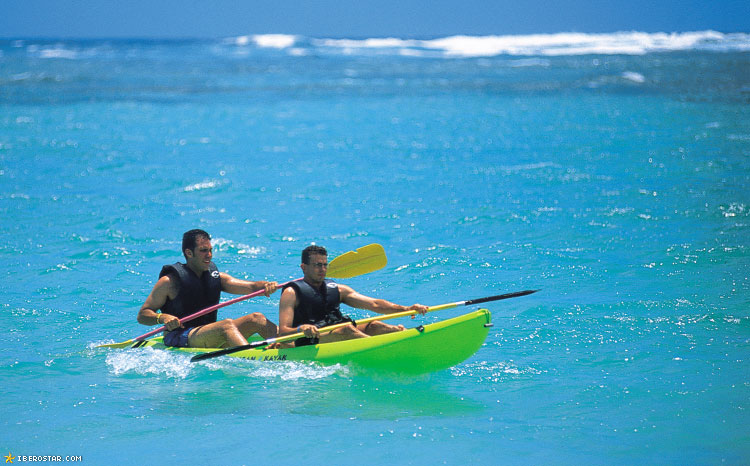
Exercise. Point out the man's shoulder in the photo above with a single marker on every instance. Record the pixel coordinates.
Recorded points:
(289, 291)
(345, 288)
(167, 285)
(170, 280)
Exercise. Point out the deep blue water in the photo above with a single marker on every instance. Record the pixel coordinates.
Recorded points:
(617, 183)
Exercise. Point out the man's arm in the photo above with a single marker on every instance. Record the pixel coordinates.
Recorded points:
(286, 311)
(381, 306)
(287, 303)
(237, 286)
(165, 288)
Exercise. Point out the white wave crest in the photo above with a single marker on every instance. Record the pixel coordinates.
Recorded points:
(58, 52)
(374, 43)
(626, 43)
(274, 41)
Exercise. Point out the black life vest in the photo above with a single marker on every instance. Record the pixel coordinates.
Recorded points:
(318, 307)
(195, 293)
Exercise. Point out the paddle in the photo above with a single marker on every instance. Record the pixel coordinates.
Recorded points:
(330, 328)
(350, 264)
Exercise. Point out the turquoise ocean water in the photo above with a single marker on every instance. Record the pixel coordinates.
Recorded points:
(610, 171)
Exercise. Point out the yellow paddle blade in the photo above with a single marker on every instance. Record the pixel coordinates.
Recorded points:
(122, 344)
(353, 263)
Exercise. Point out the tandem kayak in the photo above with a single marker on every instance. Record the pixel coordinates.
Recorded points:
(419, 350)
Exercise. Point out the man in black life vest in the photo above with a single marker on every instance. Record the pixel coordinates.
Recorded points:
(184, 289)
(313, 302)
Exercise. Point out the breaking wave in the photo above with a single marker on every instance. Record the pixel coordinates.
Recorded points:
(458, 46)
(625, 43)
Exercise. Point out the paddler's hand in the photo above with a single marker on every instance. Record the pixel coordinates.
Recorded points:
(170, 322)
(421, 309)
(310, 331)
(269, 288)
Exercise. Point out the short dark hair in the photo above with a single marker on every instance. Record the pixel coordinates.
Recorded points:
(310, 250)
(190, 239)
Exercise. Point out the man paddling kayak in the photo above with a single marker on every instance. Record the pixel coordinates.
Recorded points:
(183, 289)
(313, 302)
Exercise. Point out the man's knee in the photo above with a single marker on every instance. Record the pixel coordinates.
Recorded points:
(258, 317)
(376, 325)
(255, 322)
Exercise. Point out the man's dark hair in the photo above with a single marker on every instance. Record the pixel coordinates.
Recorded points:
(190, 239)
(310, 250)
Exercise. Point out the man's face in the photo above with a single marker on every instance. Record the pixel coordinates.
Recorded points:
(316, 270)
(200, 257)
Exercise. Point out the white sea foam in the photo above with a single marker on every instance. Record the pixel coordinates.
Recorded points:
(58, 52)
(458, 46)
(389, 42)
(149, 361)
(627, 43)
(63, 51)
(284, 370)
(210, 184)
(274, 41)
(634, 77)
(293, 370)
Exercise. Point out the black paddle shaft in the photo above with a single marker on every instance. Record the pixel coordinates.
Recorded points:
(499, 297)
(234, 349)
(257, 344)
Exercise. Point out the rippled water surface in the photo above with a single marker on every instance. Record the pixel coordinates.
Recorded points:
(617, 184)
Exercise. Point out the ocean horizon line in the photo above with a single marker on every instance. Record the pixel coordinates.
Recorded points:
(452, 46)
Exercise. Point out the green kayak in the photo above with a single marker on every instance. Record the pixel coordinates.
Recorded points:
(419, 350)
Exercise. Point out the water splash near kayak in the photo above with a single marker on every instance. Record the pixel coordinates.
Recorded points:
(150, 361)
(283, 370)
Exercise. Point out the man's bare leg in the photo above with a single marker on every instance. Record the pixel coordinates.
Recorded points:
(347, 332)
(377, 327)
(221, 334)
(256, 323)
